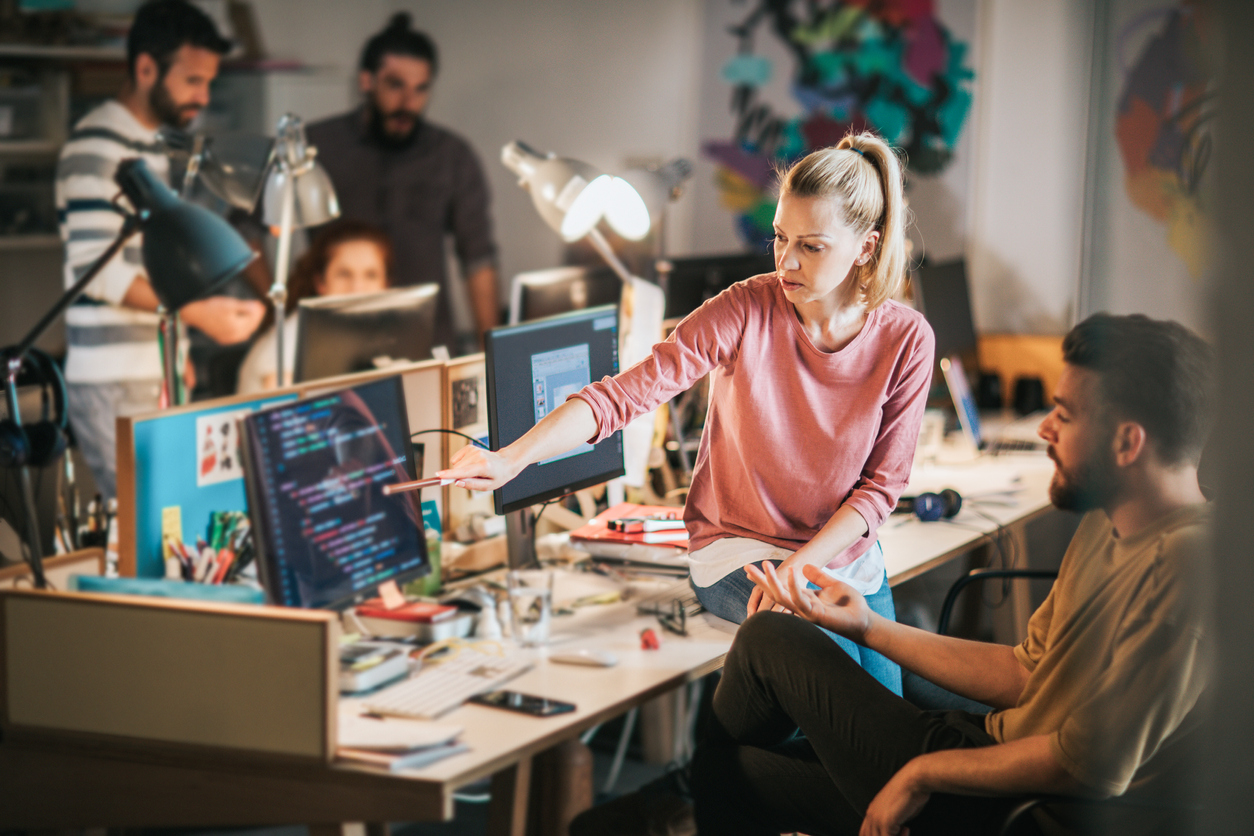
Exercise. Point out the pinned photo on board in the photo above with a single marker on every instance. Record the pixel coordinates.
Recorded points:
(217, 447)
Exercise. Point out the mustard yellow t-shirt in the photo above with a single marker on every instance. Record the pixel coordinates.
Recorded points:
(1120, 651)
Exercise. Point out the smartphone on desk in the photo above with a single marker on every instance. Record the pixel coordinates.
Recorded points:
(523, 703)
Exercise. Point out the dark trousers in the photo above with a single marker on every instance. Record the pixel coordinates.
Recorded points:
(802, 739)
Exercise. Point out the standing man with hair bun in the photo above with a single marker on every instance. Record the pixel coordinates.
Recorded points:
(417, 181)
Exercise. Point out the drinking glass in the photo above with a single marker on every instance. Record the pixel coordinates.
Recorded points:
(530, 605)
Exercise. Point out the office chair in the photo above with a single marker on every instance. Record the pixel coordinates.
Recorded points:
(1108, 815)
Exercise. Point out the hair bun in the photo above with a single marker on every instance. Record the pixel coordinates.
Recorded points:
(399, 22)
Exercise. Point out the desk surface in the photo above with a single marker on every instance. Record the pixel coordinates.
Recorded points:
(68, 785)
(498, 738)
(912, 547)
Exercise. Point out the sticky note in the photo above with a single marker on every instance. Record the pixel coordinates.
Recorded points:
(171, 527)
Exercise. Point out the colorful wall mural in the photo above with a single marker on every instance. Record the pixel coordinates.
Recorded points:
(1162, 127)
(885, 65)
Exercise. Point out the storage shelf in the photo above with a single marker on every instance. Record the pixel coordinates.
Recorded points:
(62, 53)
(29, 146)
(38, 241)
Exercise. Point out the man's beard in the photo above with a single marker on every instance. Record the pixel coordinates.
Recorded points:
(168, 111)
(1089, 485)
(379, 128)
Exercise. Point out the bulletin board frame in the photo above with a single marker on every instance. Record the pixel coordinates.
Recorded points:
(158, 464)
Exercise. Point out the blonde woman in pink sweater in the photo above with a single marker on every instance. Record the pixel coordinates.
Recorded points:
(817, 387)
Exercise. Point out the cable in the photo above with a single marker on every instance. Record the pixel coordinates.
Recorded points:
(1007, 553)
(546, 505)
(550, 502)
(471, 439)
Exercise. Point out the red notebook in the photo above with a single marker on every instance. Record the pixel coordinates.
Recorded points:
(417, 611)
(597, 529)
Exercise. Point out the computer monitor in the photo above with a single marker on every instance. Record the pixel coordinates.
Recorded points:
(532, 368)
(695, 279)
(943, 295)
(345, 334)
(326, 535)
(540, 293)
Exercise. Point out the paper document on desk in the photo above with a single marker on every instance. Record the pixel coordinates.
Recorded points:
(391, 734)
(977, 481)
(409, 759)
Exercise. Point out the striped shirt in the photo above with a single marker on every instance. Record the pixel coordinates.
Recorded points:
(107, 342)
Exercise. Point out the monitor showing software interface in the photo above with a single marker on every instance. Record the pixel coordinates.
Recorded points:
(327, 536)
(532, 369)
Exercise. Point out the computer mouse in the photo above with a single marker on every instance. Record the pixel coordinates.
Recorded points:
(585, 656)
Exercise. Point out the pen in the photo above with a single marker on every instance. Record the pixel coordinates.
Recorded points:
(397, 487)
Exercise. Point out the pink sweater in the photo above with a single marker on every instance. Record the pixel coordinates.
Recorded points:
(793, 433)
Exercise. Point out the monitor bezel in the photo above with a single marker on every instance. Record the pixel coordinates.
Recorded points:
(258, 501)
(500, 506)
(308, 312)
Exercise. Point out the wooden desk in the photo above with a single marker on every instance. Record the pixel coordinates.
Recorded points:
(76, 785)
(912, 547)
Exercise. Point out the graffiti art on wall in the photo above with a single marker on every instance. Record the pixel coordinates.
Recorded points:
(1165, 111)
(885, 65)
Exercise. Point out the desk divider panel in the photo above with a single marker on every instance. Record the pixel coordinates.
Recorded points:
(165, 459)
(170, 675)
(467, 412)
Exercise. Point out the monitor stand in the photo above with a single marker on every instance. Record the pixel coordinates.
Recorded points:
(520, 537)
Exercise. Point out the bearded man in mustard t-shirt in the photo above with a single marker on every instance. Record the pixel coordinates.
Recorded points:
(1100, 700)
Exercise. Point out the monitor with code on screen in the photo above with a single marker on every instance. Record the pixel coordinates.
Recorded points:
(326, 534)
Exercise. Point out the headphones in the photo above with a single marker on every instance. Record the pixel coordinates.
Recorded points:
(41, 443)
(931, 507)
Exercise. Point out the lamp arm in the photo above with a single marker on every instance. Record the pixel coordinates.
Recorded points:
(607, 252)
(129, 227)
(278, 291)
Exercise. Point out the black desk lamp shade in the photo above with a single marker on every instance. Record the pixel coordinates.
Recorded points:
(188, 250)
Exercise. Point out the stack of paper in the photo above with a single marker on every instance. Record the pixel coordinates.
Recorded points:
(395, 743)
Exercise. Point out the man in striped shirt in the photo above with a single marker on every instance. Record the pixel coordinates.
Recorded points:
(113, 366)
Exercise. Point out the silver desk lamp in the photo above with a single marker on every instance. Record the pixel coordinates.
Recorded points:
(298, 193)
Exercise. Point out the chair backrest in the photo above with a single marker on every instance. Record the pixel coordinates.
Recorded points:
(981, 575)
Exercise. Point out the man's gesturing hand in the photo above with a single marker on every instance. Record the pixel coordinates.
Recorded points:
(836, 606)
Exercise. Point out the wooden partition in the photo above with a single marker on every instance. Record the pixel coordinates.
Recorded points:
(466, 412)
(1013, 356)
(177, 675)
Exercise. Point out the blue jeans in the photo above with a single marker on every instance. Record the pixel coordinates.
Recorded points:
(728, 598)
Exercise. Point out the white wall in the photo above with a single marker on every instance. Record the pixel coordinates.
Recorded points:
(612, 82)
(1024, 252)
(604, 83)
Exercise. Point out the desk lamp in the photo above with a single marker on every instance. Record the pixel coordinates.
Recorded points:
(657, 186)
(232, 167)
(298, 193)
(572, 196)
(188, 252)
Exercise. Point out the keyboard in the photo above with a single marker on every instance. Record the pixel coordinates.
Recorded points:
(439, 688)
(1015, 445)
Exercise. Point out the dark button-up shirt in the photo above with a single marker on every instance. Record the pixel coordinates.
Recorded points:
(418, 194)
